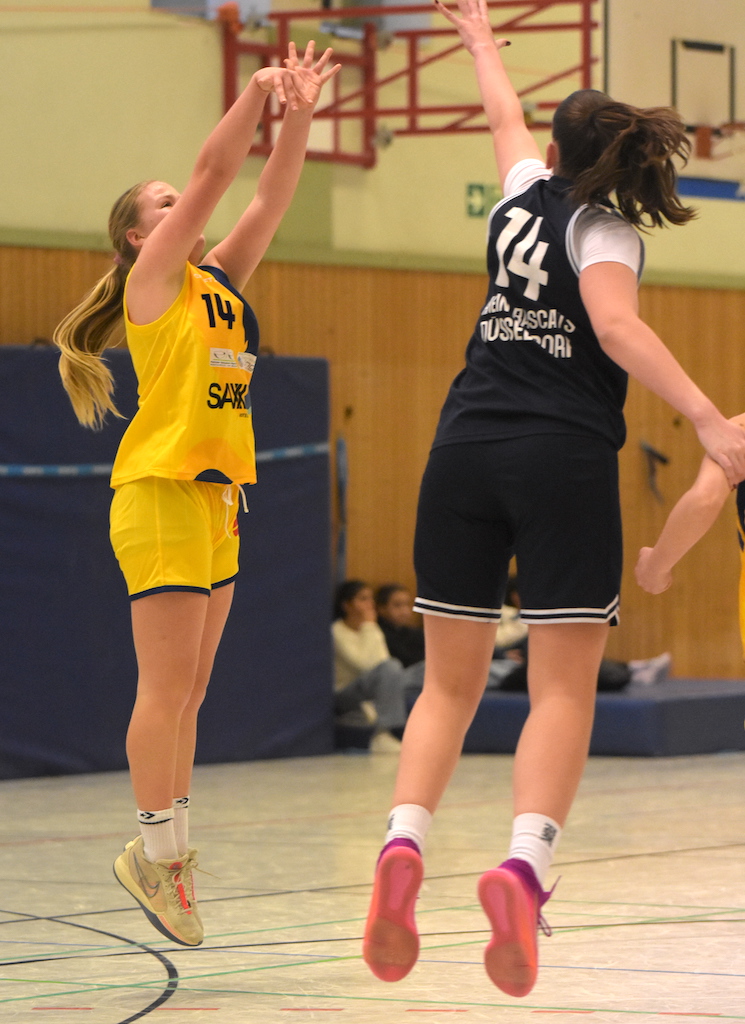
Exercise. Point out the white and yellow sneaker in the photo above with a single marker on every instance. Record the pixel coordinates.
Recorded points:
(164, 890)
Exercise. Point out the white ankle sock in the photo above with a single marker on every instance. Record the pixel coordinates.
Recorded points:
(409, 821)
(158, 834)
(181, 824)
(534, 839)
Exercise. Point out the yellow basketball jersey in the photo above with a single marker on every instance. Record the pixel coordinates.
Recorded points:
(193, 367)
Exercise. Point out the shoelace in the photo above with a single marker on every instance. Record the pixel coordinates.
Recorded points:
(543, 898)
(189, 865)
(175, 886)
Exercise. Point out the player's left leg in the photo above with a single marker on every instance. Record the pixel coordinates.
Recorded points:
(218, 608)
(550, 757)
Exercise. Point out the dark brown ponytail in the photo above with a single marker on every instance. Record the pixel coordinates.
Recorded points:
(611, 148)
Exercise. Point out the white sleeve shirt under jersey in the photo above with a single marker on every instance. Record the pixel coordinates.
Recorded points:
(595, 236)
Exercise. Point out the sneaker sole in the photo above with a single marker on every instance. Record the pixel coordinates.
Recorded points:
(391, 945)
(511, 957)
(124, 878)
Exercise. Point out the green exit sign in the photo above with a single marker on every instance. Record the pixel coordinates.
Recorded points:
(481, 198)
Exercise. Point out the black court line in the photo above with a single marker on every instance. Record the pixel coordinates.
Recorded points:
(21, 916)
(362, 885)
(172, 972)
(170, 968)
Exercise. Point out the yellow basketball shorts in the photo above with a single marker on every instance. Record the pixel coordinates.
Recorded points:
(175, 535)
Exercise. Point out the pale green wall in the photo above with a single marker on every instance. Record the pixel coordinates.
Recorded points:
(94, 101)
(90, 104)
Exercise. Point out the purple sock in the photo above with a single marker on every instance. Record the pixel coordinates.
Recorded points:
(409, 843)
(527, 876)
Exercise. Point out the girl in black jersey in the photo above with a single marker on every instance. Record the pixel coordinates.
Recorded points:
(525, 463)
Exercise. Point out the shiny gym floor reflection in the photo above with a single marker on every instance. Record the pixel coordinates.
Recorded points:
(648, 917)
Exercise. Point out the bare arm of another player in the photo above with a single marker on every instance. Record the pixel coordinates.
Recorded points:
(690, 519)
(512, 139)
(609, 294)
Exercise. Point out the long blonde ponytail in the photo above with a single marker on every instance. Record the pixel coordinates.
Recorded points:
(87, 330)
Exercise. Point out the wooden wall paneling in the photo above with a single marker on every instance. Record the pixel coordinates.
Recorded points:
(39, 286)
(697, 618)
(394, 340)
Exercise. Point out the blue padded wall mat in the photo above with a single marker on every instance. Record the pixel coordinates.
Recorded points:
(67, 667)
(679, 716)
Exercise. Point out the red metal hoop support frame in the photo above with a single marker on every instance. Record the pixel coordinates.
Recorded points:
(361, 102)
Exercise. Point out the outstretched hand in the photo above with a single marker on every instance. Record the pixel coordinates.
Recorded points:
(298, 84)
(473, 24)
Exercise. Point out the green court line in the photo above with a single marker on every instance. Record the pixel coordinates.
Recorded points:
(400, 1001)
(475, 1003)
(146, 985)
(187, 984)
(631, 903)
(713, 916)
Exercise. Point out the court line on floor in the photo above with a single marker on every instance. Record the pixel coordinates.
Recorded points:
(429, 878)
(172, 973)
(336, 816)
(190, 983)
(703, 915)
(432, 1003)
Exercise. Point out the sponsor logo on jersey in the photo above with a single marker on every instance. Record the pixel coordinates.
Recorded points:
(231, 394)
(246, 361)
(222, 357)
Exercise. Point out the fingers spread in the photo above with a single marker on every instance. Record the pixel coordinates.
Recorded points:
(330, 73)
(310, 50)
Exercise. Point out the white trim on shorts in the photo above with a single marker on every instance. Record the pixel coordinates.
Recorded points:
(457, 611)
(538, 616)
(552, 615)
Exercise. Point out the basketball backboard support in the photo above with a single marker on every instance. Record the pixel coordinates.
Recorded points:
(683, 55)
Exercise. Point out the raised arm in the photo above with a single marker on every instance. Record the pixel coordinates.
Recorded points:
(692, 516)
(241, 251)
(609, 294)
(512, 139)
(165, 243)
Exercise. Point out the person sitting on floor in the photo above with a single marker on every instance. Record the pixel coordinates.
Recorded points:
(512, 646)
(395, 608)
(366, 677)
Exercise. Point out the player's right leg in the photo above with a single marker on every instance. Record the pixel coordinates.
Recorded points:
(549, 761)
(457, 664)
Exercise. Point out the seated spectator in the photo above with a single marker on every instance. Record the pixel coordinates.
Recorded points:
(512, 632)
(512, 645)
(405, 641)
(364, 671)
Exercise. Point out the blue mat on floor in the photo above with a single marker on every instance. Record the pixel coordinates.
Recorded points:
(679, 716)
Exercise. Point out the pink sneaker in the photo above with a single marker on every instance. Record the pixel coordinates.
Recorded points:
(512, 898)
(391, 944)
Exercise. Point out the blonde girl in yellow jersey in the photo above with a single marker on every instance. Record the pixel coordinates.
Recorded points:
(187, 450)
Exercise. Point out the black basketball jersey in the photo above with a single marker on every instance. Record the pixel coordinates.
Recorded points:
(534, 364)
